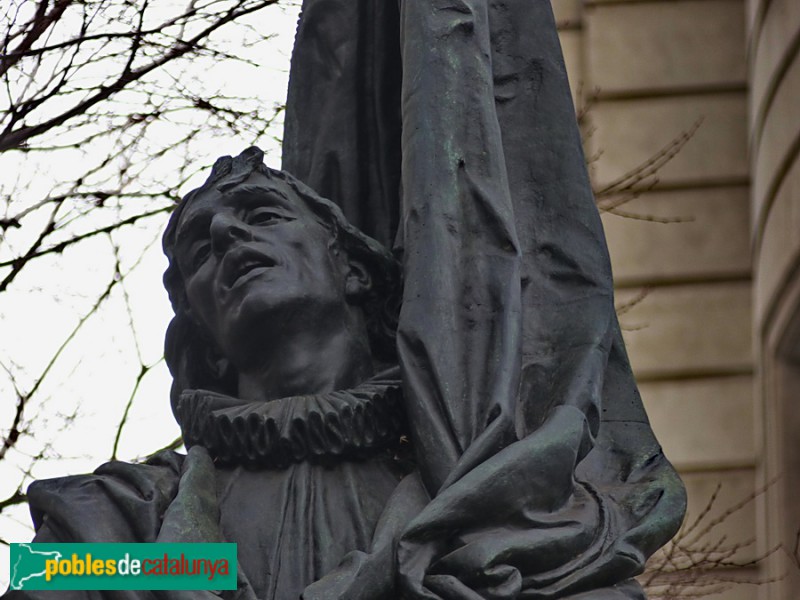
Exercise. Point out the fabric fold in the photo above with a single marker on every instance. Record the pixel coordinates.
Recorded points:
(508, 323)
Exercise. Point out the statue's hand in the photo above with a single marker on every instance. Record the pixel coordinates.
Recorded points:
(193, 515)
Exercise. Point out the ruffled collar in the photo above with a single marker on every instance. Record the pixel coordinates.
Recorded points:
(355, 423)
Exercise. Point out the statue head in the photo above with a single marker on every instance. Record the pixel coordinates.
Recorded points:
(255, 258)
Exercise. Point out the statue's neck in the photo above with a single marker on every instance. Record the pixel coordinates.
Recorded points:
(307, 364)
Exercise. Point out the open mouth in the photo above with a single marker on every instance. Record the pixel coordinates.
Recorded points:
(246, 267)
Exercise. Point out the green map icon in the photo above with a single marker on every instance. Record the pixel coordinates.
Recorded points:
(27, 564)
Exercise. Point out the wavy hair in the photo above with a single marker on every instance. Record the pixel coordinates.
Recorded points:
(191, 355)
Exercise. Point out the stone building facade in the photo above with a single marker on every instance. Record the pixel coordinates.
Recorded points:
(712, 263)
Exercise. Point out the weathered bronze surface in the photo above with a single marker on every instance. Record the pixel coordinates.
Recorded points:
(452, 419)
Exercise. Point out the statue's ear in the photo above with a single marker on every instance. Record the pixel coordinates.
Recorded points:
(358, 281)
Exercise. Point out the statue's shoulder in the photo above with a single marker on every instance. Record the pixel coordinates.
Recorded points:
(119, 502)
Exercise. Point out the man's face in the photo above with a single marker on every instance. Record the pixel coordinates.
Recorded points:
(257, 265)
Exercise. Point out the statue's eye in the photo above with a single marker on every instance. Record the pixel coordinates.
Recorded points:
(266, 216)
(199, 254)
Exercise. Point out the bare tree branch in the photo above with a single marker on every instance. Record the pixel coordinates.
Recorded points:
(17, 138)
(13, 436)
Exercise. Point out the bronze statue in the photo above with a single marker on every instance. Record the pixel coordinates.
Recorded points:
(450, 420)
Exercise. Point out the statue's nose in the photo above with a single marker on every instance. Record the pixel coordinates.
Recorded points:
(227, 230)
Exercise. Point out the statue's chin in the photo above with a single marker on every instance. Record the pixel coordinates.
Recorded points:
(259, 312)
